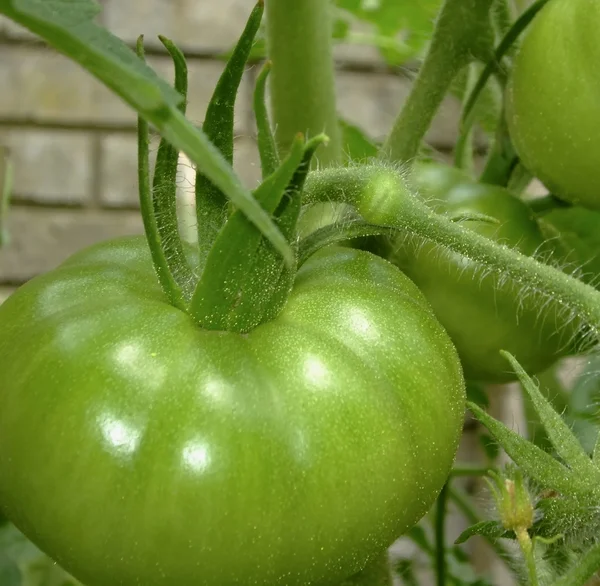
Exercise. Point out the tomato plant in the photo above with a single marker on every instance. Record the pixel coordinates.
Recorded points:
(551, 100)
(273, 404)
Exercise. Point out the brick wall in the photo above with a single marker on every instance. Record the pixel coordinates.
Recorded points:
(73, 143)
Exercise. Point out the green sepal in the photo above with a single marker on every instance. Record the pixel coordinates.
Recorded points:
(231, 261)
(487, 529)
(164, 186)
(560, 435)
(211, 203)
(150, 219)
(271, 295)
(267, 148)
(536, 463)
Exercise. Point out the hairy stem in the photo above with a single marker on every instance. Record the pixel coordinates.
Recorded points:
(463, 33)
(526, 546)
(380, 194)
(302, 78)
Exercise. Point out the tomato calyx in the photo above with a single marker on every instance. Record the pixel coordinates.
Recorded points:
(237, 279)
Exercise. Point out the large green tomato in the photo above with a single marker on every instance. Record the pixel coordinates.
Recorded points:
(484, 314)
(138, 449)
(553, 96)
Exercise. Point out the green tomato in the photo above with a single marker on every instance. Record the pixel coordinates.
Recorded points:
(137, 448)
(483, 314)
(552, 100)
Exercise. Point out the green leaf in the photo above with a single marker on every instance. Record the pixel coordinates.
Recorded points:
(231, 259)
(559, 433)
(67, 25)
(211, 202)
(533, 461)
(356, 145)
(487, 529)
(555, 392)
(406, 26)
(267, 149)
(596, 453)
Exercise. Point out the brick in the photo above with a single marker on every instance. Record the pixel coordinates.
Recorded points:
(50, 166)
(46, 86)
(206, 25)
(119, 186)
(118, 169)
(372, 102)
(42, 238)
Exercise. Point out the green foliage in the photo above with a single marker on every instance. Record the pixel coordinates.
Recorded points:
(402, 29)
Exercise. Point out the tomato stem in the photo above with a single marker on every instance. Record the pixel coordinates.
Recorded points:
(381, 195)
(302, 78)
(463, 33)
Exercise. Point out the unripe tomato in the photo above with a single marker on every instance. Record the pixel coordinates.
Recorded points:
(553, 99)
(139, 449)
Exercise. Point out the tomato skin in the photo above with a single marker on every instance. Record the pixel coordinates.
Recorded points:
(136, 448)
(482, 315)
(552, 100)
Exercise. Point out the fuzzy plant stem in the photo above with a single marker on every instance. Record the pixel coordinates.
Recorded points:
(526, 546)
(463, 33)
(381, 196)
(302, 79)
